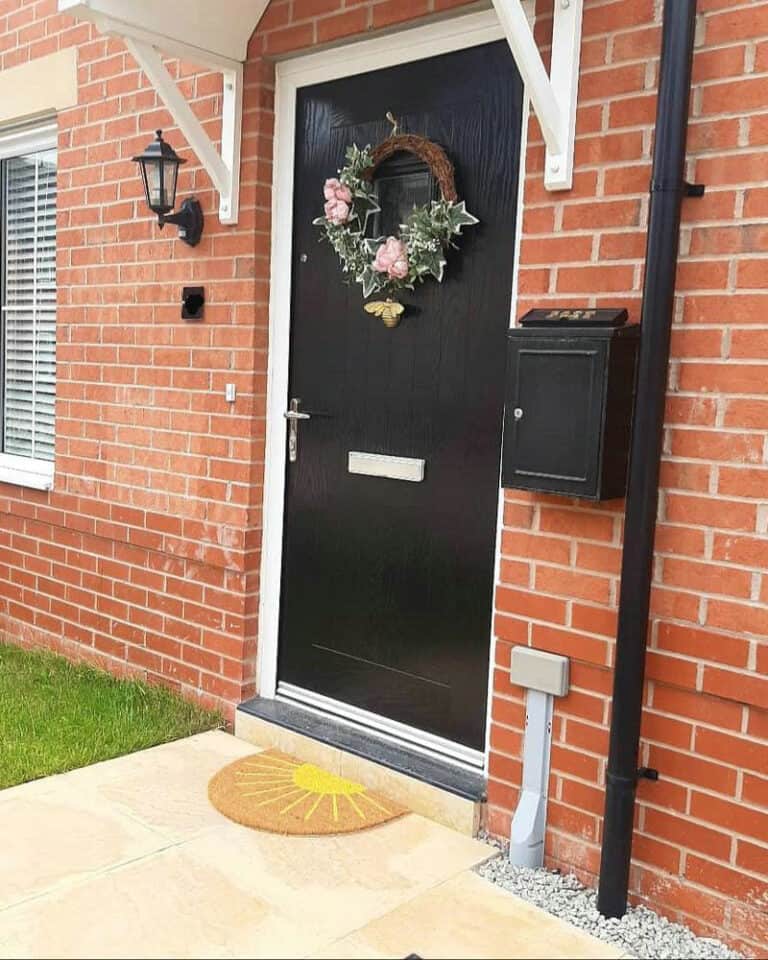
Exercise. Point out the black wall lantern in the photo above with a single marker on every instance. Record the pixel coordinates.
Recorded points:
(159, 165)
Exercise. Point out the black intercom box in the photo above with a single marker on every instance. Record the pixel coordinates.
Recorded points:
(570, 394)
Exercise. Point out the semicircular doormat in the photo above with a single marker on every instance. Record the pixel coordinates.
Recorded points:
(276, 792)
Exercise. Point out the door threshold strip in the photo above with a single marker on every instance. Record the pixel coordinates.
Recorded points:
(321, 727)
(374, 725)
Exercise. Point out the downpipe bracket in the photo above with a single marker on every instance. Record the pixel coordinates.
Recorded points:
(696, 190)
(629, 783)
(647, 773)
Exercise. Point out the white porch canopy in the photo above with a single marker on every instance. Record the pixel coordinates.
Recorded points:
(216, 35)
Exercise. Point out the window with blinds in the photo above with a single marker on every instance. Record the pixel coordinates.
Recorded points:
(28, 303)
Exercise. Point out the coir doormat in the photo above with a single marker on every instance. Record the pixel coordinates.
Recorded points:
(276, 792)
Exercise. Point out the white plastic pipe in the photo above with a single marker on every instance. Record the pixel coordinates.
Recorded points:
(529, 822)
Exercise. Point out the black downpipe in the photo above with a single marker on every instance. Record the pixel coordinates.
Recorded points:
(668, 188)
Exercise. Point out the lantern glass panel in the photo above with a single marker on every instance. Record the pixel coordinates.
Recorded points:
(170, 173)
(159, 165)
(154, 192)
(143, 169)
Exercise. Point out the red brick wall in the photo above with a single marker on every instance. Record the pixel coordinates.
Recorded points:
(143, 557)
(701, 848)
(146, 555)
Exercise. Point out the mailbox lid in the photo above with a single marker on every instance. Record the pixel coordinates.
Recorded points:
(554, 415)
(601, 317)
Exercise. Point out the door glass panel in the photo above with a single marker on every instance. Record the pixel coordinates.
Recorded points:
(402, 183)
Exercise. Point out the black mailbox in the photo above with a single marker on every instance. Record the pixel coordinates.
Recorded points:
(570, 392)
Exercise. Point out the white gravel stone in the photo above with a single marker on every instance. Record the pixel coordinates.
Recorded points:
(640, 932)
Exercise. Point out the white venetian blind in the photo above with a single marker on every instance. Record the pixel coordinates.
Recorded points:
(29, 304)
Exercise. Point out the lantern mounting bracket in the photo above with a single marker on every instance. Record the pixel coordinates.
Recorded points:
(202, 35)
(553, 94)
(189, 220)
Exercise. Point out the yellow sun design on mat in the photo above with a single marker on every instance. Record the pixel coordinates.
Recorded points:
(302, 787)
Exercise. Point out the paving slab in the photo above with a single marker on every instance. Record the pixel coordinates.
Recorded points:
(58, 837)
(160, 906)
(468, 917)
(165, 788)
(340, 883)
(128, 859)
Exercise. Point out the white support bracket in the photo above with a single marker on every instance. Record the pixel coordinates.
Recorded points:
(201, 32)
(224, 168)
(554, 96)
(178, 30)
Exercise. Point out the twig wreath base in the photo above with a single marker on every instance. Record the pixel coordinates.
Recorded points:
(384, 266)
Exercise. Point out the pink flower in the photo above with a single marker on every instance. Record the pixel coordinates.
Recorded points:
(399, 269)
(392, 259)
(336, 212)
(335, 190)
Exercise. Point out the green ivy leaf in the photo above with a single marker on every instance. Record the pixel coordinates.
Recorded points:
(459, 217)
(435, 265)
(370, 279)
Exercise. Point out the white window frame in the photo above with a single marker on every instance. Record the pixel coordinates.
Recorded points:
(14, 142)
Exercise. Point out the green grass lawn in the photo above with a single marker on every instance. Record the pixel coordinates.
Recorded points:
(55, 715)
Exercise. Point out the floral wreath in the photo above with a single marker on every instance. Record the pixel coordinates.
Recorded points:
(385, 265)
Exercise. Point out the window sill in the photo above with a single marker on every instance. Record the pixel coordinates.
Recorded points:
(24, 472)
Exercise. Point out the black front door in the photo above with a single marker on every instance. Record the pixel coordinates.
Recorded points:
(387, 584)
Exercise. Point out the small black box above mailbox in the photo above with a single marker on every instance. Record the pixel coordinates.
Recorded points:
(568, 414)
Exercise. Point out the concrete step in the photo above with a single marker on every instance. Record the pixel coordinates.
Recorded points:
(432, 788)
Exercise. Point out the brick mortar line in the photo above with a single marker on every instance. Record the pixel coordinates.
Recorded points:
(237, 570)
(165, 657)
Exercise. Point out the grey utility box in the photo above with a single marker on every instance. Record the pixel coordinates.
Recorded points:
(538, 670)
(568, 414)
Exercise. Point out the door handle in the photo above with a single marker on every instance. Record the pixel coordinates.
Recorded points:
(293, 415)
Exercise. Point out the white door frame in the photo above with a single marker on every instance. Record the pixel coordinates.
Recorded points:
(408, 45)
